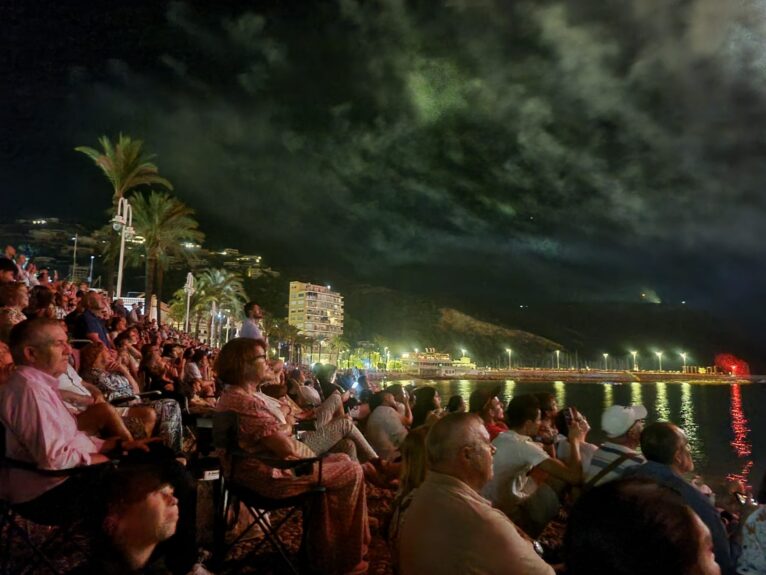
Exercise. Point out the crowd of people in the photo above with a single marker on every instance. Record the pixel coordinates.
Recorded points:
(85, 381)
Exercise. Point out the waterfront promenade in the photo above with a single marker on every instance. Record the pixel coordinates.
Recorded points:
(532, 375)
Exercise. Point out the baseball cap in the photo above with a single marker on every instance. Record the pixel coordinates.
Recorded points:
(617, 419)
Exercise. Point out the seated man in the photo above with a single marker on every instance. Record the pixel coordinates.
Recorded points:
(530, 504)
(485, 403)
(40, 429)
(623, 427)
(384, 429)
(90, 325)
(666, 449)
(449, 528)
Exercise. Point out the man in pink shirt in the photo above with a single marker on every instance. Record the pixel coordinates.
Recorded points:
(40, 430)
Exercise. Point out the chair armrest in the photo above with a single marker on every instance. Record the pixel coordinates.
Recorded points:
(303, 466)
(11, 463)
(135, 396)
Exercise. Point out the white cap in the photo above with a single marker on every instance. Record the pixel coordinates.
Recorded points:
(617, 419)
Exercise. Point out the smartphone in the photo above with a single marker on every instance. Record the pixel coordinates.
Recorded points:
(568, 416)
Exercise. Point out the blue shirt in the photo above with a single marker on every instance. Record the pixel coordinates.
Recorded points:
(87, 323)
(665, 476)
(250, 329)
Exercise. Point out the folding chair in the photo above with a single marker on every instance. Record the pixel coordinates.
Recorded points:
(14, 527)
(225, 437)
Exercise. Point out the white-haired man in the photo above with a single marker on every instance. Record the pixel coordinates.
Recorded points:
(451, 529)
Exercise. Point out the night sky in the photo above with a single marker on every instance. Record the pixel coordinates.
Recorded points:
(502, 151)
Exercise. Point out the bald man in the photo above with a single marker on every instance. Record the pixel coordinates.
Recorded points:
(451, 529)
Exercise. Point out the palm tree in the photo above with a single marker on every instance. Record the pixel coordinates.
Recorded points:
(125, 165)
(164, 223)
(221, 286)
(338, 345)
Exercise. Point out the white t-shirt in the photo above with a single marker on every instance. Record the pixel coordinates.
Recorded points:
(71, 381)
(385, 432)
(515, 457)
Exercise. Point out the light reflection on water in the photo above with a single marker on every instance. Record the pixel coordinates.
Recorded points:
(663, 409)
(608, 395)
(720, 420)
(635, 394)
(689, 425)
(560, 390)
(739, 426)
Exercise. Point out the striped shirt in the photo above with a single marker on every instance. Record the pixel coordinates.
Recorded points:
(607, 453)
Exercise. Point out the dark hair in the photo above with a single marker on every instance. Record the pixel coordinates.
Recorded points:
(454, 403)
(121, 338)
(522, 408)
(198, 355)
(249, 306)
(114, 322)
(377, 399)
(561, 420)
(397, 390)
(424, 404)
(659, 442)
(546, 402)
(7, 265)
(631, 527)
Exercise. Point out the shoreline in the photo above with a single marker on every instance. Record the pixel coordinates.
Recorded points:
(569, 376)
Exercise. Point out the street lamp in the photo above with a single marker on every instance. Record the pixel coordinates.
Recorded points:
(462, 351)
(635, 364)
(189, 290)
(123, 223)
(606, 357)
(387, 356)
(659, 358)
(558, 365)
(416, 350)
(683, 357)
(509, 351)
(90, 273)
(74, 259)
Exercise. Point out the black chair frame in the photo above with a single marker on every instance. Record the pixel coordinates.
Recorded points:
(225, 437)
(10, 519)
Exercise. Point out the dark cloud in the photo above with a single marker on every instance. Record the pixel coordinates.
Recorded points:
(559, 150)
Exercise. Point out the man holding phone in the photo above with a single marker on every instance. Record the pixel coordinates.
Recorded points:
(530, 502)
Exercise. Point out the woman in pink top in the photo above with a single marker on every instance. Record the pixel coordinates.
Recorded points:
(338, 533)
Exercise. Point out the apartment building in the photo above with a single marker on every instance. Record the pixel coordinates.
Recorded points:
(315, 310)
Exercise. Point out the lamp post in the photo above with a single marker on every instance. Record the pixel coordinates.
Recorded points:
(606, 358)
(189, 290)
(510, 351)
(558, 365)
(74, 259)
(659, 358)
(90, 272)
(387, 356)
(123, 223)
(462, 351)
(635, 364)
(212, 324)
(683, 357)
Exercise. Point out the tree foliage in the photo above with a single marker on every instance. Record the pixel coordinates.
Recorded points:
(125, 165)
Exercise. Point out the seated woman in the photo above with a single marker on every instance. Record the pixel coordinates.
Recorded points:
(636, 527)
(126, 353)
(97, 417)
(752, 560)
(384, 429)
(115, 382)
(195, 375)
(14, 297)
(587, 450)
(427, 409)
(338, 532)
(411, 475)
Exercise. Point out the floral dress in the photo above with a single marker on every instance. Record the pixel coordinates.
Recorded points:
(338, 532)
(752, 561)
(115, 386)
